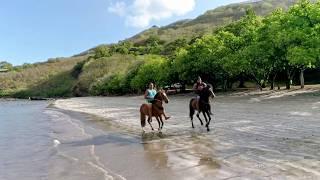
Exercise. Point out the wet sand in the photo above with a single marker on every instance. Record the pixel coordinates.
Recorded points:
(251, 137)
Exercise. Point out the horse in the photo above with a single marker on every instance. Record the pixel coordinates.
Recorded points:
(204, 106)
(153, 110)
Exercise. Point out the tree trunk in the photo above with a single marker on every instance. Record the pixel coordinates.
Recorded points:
(230, 84)
(225, 84)
(273, 81)
(258, 83)
(302, 78)
(241, 84)
(263, 83)
(290, 75)
(288, 84)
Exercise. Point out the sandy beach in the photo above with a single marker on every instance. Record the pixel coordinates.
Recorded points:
(268, 135)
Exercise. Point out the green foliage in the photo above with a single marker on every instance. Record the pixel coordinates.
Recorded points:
(77, 69)
(5, 66)
(96, 69)
(58, 85)
(211, 20)
(154, 70)
(101, 51)
(113, 84)
(47, 79)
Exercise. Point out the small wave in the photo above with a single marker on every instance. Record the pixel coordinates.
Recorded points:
(56, 143)
(296, 113)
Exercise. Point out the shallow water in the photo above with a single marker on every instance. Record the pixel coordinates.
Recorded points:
(100, 138)
(25, 144)
(250, 138)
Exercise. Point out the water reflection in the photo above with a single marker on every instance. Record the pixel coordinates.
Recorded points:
(191, 155)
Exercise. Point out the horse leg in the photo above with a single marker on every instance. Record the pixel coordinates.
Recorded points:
(149, 121)
(198, 116)
(191, 117)
(191, 111)
(205, 117)
(161, 122)
(157, 117)
(209, 116)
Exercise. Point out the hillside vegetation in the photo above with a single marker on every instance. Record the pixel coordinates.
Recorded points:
(47, 79)
(225, 46)
(210, 20)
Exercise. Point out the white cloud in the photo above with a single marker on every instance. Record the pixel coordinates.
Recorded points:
(118, 8)
(141, 12)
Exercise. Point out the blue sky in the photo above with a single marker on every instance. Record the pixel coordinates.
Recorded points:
(35, 30)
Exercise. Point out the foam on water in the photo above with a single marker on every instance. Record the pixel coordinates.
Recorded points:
(67, 130)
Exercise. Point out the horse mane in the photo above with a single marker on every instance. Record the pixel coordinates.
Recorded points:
(157, 95)
(209, 86)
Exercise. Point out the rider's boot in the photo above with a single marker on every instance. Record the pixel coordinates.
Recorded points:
(166, 117)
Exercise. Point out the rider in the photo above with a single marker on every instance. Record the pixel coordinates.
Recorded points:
(197, 88)
(149, 96)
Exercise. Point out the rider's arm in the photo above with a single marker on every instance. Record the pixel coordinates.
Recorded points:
(194, 88)
(146, 95)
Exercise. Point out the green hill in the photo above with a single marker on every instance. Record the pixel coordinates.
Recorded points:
(210, 20)
(207, 22)
(126, 66)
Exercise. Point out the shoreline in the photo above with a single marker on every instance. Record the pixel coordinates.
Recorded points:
(233, 92)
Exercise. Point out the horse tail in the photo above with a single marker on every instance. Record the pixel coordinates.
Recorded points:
(191, 108)
(142, 117)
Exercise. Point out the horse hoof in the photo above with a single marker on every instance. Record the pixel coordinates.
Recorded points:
(208, 129)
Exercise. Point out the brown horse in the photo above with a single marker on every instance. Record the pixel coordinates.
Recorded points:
(153, 110)
(204, 106)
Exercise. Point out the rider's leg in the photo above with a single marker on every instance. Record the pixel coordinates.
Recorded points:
(197, 104)
(165, 116)
(210, 110)
(161, 108)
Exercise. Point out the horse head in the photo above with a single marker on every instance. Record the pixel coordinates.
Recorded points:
(162, 96)
(212, 95)
(207, 92)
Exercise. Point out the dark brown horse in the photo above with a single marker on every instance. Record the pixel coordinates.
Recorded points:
(204, 106)
(153, 110)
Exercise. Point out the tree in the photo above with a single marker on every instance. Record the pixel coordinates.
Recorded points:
(170, 48)
(101, 51)
(303, 36)
(153, 45)
(242, 55)
(153, 70)
(4, 65)
(199, 59)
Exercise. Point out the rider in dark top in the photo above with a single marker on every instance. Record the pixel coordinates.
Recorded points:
(197, 88)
